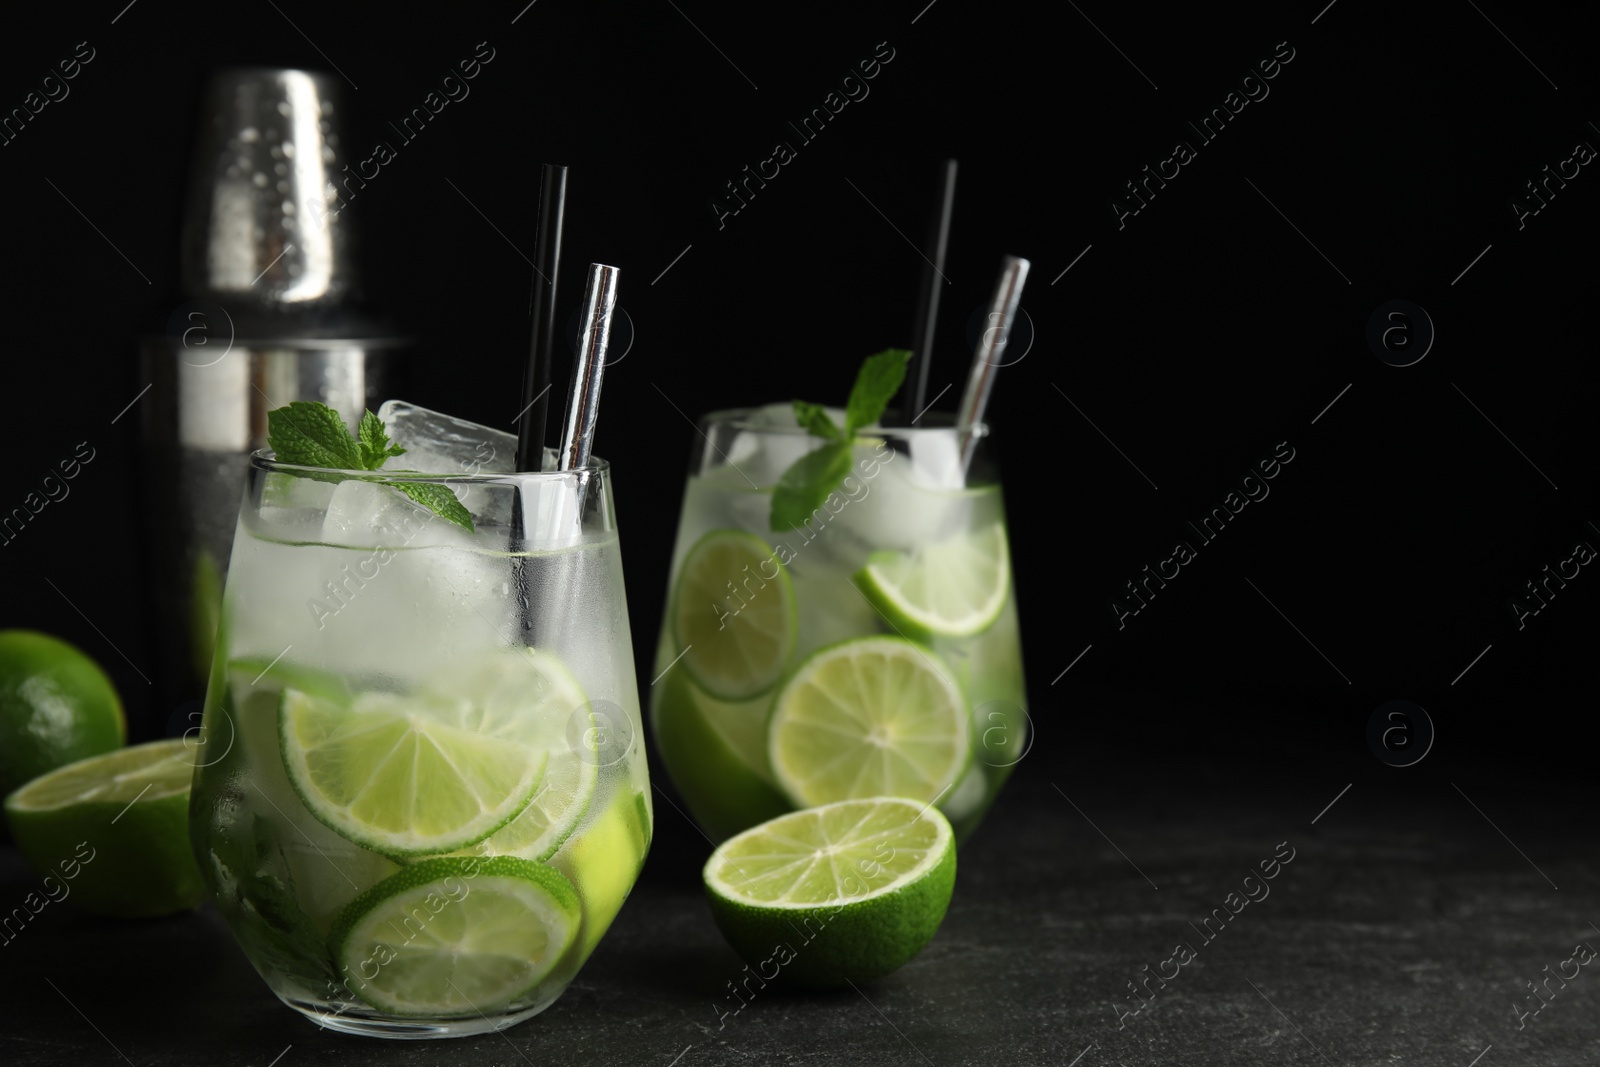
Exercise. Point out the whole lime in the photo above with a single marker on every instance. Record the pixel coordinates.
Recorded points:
(56, 707)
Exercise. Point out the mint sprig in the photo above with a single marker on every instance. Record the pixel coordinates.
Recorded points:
(813, 477)
(311, 434)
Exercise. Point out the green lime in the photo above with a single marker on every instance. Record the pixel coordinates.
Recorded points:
(506, 685)
(723, 790)
(872, 716)
(257, 674)
(205, 613)
(603, 859)
(455, 936)
(733, 614)
(56, 706)
(439, 769)
(114, 829)
(841, 893)
(951, 588)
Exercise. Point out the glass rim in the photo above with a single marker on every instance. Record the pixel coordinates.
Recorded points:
(944, 423)
(264, 459)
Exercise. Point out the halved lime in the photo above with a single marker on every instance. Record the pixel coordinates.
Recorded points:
(442, 768)
(872, 716)
(951, 588)
(455, 936)
(113, 830)
(733, 615)
(841, 893)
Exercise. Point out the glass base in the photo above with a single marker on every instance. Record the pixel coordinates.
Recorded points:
(367, 1023)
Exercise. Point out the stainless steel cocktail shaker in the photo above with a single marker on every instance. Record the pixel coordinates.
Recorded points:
(267, 315)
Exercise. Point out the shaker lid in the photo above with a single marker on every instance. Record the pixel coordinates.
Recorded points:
(262, 223)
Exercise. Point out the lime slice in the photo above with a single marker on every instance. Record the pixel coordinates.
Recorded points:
(951, 588)
(724, 791)
(263, 674)
(504, 685)
(114, 830)
(836, 894)
(602, 861)
(438, 769)
(456, 936)
(872, 716)
(733, 615)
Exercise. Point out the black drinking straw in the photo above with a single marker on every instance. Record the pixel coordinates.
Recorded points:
(536, 383)
(933, 251)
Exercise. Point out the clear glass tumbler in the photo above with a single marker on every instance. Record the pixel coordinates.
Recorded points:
(864, 643)
(421, 797)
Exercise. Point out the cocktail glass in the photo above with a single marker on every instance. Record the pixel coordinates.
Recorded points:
(872, 649)
(420, 799)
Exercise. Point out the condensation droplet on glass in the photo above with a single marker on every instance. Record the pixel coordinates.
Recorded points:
(232, 172)
(288, 149)
(283, 187)
(260, 180)
(284, 109)
(327, 154)
(249, 135)
(276, 151)
(288, 207)
(280, 169)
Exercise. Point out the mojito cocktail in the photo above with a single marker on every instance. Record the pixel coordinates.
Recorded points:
(421, 799)
(867, 647)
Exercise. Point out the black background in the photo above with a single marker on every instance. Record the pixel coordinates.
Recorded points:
(1196, 337)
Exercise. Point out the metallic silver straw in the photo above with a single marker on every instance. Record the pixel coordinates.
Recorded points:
(583, 402)
(991, 349)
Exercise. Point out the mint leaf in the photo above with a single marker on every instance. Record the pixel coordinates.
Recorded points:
(439, 500)
(374, 443)
(807, 483)
(309, 434)
(811, 478)
(814, 417)
(876, 383)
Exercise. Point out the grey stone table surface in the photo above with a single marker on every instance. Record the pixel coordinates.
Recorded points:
(1416, 908)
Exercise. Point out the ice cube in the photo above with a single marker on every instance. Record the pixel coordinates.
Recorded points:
(405, 586)
(762, 456)
(437, 443)
(936, 461)
(373, 515)
(779, 414)
(894, 508)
